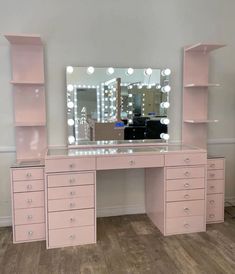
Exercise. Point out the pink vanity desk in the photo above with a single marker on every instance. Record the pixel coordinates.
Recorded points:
(175, 187)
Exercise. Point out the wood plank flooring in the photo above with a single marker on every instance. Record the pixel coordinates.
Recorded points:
(127, 245)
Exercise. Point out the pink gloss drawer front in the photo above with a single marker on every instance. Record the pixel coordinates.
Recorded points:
(185, 225)
(186, 208)
(215, 186)
(180, 184)
(215, 164)
(27, 174)
(69, 204)
(122, 162)
(71, 236)
(215, 174)
(24, 186)
(29, 216)
(185, 172)
(29, 199)
(181, 195)
(70, 192)
(182, 159)
(73, 218)
(70, 179)
(71, 164)
(30, 232)
(215, 207)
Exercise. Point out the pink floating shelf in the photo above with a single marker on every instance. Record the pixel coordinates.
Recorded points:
(201, 85)
(200, 121)
(24, 39)
(204, 47)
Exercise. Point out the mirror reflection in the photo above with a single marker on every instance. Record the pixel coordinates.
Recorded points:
(117, 103)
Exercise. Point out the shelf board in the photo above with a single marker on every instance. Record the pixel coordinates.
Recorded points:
(30, 124)
(22, 39)
(204, 47)
(200, 121)
(27, 83)
(201, 85)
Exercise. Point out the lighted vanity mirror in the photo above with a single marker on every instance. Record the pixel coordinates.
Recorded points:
(117, 103)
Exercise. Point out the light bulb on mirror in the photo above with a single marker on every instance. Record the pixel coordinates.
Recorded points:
(70, 105)
(166, 72)
(90, 70)
(165, 136)
(69, 69)
(166, 89)
(148, 71)
(70, 122)
(165, 121)
(71, 139)
(165, 105)
(70, 88)
(158, 86)
(130, 71)
(110, 71)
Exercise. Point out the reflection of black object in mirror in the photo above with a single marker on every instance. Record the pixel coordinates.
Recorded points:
(134, 133)
(140, 121)
(154, 128)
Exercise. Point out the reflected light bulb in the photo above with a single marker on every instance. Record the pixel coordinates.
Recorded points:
(70, 105)
(110, 71)
(90, 70)
(165, 105)
(165, 136)
(69, 87)
(148, 71)
(69, 69)
(166, 88)
(166, 72)
(130, 71)
(71, 139)
(70, 122)
(165, 121)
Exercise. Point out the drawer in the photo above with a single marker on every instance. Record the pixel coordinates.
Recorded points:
(185, 172)
(181, 195)
(185, 208)
(185, 225)
(182, 159)
(71, 236)
(30, 232)
(215, 208)
(70, 192)
(29, 216)
(69, 204)
(86, 178)
(29, 199)
(215, 163)
(24, 186)
(22, 174)
(215, 175)
(70, 164)
(82, 217)
(123, 162)
(215, 186)
(180, 184)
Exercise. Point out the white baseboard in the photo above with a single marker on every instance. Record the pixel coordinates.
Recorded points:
(120, 210)
(5, 221)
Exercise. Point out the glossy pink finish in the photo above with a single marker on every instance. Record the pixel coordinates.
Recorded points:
(181, 184)
(26, 186)
(73, 218)
(185, 208)
(29, 199)
(29, 233)
(123, 162)
(71, 179)
(183, 159)
(70, 192)
(22, 174)
(29, 216)
(185, 172)
(180, 195)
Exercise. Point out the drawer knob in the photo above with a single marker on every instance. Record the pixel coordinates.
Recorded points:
(212, 165)
(71, 165)
(72, 205)
(212, 175)
(29, 201)
(132, 162)
(28, 175)
(187, 160)
(186, 196)
(72, 237)
(186, 209)
(72, 193)
(72, 220)
(187, 173)
(29, 187)
(186, 185)
(30, 233)
(212, 216)
(186, 225)
(72, 180)
(30, 217)
(212, 202)
(212, 187)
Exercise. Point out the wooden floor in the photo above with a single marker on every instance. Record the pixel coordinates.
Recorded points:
(127, 244)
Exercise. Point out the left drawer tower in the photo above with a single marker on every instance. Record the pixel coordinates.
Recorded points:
(27, 174)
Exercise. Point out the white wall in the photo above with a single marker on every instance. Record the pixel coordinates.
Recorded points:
(123, 33)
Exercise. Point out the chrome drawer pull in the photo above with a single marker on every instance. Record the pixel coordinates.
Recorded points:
(211, 216)
(71, 165)
(187, 160)
(28, 175)
(211, 202)
(212, 175)
(212, 187)
(187, 173)
(72, 193)
(29, 187)
(29, 217)
(186, 209)
(132, 162)
(29, 201)
(72, 237)
(72, 204)
(186, 225)
(186, 196)
(212, 165)
(72, 180)
(186, 185)
(72, 220)
(30, 233)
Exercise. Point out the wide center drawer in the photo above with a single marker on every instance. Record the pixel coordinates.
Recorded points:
(23, 186)
(69, 179)
(123, 162)
(185, 172)
(181, 159)
(29, 199)
(182, 195)
(185, 208)
(22, 174)
(70, 192)
(29, 216)
(71, 218)
(70, 164)
(180, 184)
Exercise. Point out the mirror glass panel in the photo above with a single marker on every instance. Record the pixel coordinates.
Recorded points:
(117, 103)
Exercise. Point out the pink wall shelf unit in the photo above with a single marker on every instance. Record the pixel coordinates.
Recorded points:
(29, 96)
(195, 93)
